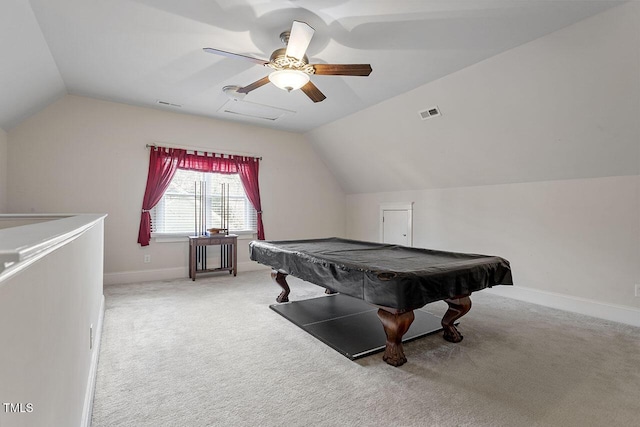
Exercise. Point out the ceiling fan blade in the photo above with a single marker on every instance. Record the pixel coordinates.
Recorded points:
(255, 85)
(342, 69)
(235, 55)
(313, 92)
(299, 39)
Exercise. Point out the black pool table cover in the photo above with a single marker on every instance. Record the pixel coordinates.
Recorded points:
(393, 276)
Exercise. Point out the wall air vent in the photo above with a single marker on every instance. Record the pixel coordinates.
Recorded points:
(253, 110)
(429, 113)
(168, 104)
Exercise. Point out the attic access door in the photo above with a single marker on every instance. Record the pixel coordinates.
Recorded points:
(396, 223)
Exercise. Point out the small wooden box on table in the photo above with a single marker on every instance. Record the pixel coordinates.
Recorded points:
(229, 253)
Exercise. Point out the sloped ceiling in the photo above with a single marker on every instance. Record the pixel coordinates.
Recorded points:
(565, 106)
(144, 51)
(29, 76)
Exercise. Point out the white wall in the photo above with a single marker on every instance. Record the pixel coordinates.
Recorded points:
(85, 155)
(536, 158)
(572, 237)
(3, 171)
(48, 304)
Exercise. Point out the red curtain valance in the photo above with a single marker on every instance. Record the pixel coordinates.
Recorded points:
(163, 163)
(209, 162)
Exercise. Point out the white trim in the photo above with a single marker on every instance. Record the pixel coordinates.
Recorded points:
(87, 410)
(407, 206)
(165, 274)
(612, 312)
(396, 206)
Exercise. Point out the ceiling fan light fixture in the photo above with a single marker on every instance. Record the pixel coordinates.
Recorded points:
(289, 79)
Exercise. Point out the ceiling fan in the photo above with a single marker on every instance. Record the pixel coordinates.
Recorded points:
(291, 65)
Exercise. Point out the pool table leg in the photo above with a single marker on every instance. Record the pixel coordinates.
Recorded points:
(281, 280)
(395, 326)
(458, 307)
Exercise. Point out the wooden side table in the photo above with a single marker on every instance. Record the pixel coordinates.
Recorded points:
(229, 259)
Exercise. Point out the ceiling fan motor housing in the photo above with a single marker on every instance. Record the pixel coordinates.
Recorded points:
(280, 61)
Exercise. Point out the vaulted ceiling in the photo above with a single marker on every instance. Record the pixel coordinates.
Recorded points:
(142, 52)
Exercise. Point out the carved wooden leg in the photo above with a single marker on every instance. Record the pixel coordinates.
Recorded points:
(281, 279)
(395, 326)
(458, 307)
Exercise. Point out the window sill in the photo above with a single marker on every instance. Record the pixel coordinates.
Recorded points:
(183, 237)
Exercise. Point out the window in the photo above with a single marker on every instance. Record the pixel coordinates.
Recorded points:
(176, 211)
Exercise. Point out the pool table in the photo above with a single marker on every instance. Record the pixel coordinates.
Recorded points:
(396, 279)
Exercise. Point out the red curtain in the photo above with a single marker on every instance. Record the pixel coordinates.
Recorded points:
(163, 163)
(248, 171)
(208, 162)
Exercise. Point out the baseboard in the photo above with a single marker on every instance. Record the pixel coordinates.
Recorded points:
(145, 275)
(87, 410)
(166, 274)
(612, 312)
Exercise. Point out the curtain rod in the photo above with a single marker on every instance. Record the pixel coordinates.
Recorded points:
(204, 150)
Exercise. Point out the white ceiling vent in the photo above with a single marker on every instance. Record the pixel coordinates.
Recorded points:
(254, 110)
(429, 113)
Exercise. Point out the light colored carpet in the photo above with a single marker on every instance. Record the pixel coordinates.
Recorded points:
(212, 353)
